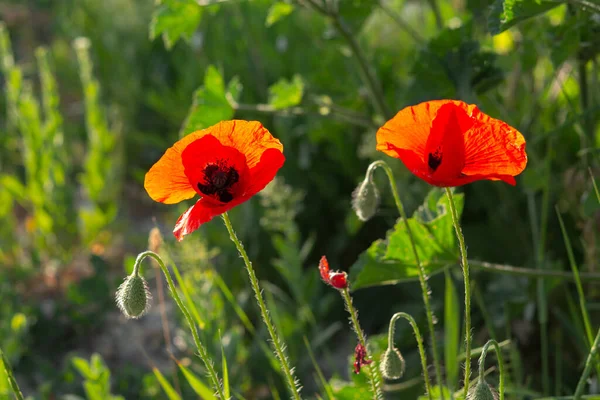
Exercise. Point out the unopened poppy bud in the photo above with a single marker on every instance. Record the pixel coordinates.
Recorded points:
(482, 391)
(392, 364)
(133, 296)
(338, 280)
(365, 199)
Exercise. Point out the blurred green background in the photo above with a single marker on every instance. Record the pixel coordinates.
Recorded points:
(93, 92)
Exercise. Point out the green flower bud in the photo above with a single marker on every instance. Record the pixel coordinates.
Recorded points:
(392, 364)
(133, 296)
(365, 199)
(482, 391)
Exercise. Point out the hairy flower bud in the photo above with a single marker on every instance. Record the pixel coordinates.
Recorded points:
(365, 199)
(133, 296)
(482, 391)
(392, 364)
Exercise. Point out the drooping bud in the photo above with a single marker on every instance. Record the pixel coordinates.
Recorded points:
(482, 391)
(392, 364)
(133, 296)
(365, 198)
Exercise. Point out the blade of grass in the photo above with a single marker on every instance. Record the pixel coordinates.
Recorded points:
(166, 386)
(324, 382)
(11, 379)
(594, 183)
(225, 370)
(484, 312)
(452, 328)
(196, 383)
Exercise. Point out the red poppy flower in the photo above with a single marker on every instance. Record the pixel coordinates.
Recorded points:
(451, 143)
(336, 279)
(225, 164)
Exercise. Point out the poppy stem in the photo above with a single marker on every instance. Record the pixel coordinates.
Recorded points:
(426, 291)
(202, 351)
(374, 377)
(465, 268)
(278, 343)
(486, 347)
(419, 338)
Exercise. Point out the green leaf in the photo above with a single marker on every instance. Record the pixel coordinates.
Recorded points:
(170, 392)
(452, 323)
(284, 93)
(199, 387)
(14, 187)
(392, 260)
(210, 103)
(175, 19)
(507, 13)
(226, 389)
(278, 11)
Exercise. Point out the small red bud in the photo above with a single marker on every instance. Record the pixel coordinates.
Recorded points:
(324, 269)
(360, 354)
(338, 280)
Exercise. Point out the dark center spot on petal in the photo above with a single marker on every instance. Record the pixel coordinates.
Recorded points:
(219, 178)
(434, 160)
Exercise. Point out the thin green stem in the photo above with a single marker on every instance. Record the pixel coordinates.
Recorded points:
(588, 367)
(202, 351)
(278, 343)
(419, 338)
(436, 11)
(9, 375)
(486, 347)
(373, 370)
(425, 291)
(530, 272)
(465, 269)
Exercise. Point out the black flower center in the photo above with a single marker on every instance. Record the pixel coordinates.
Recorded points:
(218, 180)
(434, 160)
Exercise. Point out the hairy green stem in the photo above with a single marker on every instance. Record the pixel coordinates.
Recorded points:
(492, 342)
(425, 291)
(419, 338)
(202, 351)
(277, 342)
(465, 268)
(374, 371)
(589, 363)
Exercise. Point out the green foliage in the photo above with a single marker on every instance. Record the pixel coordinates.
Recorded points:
(284, 93)
(507, 13)
(96, 377)
(392, 261)
(278, 11)
(175, 19)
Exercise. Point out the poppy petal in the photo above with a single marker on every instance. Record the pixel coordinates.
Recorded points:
(198, 214)
(494, 148)
(249, 137)
(264, 172)
(166, 181)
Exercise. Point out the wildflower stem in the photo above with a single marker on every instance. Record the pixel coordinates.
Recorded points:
(202, 351)
(588, 367)
(419, 338)
(465, 268)
(486, 347)
(360, 335)
(278, 343)
(9, 375)
(438, 15)
(422, 275)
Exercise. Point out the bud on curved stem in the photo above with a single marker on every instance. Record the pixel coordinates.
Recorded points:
(365, 198)
(203, 353)
(419, 338)
(133, 296)
(500, 365)
(425, 290)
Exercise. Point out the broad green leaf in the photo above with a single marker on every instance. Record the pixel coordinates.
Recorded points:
(278, 11)
(284, 93)
(175, 19)
(166, 386)
(507, 13)
(199, 387)
(210, 103)
(11, 184)
(83, 367)
(392, 260)
(452, 324)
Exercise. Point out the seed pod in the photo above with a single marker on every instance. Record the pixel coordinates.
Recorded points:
(133, 296)
(392, 364)
(482, 391)
(365, 199)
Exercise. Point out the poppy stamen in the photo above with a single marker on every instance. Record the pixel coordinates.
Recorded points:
(434, 160)
(218, 180)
